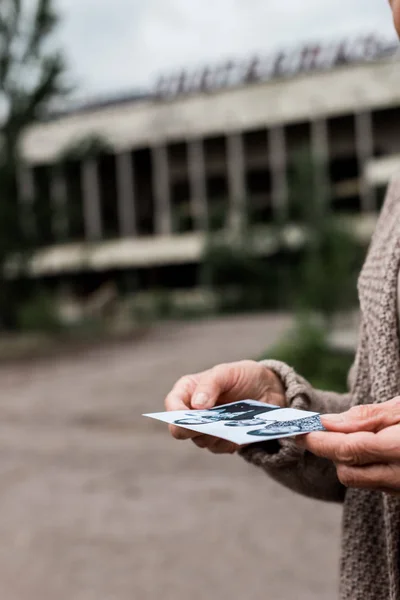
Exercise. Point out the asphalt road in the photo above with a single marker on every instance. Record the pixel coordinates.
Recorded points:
(98, 503)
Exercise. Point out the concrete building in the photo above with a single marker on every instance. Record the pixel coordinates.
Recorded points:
(182, 156)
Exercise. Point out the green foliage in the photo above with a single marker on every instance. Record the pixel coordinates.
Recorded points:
(230, 265)
(309, 194)
(39, 314)
(321, 277)
(31, 75)
(217, 214)
(244, 281)
(85, 148)
(153, 306)
(159, 304)
(182, 220)
(307, 350)
(31, 78)
(329, 273)
(326, 280)
(332, 256)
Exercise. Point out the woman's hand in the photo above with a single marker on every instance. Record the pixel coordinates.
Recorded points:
(246, 380)
(365, 445)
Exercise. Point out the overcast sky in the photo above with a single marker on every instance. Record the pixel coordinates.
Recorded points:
(118, 45)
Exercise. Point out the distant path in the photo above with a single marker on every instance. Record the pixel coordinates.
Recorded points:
(98, 503)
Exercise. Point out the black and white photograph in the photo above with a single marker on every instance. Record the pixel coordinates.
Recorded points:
(241, 414)
(296, 427)
(244, 422)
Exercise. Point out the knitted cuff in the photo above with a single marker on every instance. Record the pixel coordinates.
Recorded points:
(284, 452)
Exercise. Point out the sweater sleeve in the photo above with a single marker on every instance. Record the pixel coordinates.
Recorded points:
(283, 460)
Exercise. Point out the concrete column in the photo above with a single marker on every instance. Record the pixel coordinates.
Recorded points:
(365, 151)
(237, 185)
(197, 182)
(126, 195)
(26, 193)
(278, 164)
(162, 193)
(91, 200)
(59, 199)
(320, 155)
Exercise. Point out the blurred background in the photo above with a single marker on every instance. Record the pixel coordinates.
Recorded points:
(180, 185)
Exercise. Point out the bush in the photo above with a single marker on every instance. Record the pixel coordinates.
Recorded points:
(40, 314)
(307, 350)
(243, 281)
(153, 305)
(329, 273)
(160, 305)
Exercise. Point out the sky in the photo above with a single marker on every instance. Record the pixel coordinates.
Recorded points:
(116, 46)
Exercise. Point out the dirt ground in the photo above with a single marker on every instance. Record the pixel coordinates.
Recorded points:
(97, 503)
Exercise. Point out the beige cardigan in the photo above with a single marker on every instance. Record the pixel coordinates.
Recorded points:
(370, 566)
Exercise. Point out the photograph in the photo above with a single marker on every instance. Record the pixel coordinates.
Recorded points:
(240, 414)
(299, 426)
(244, 422)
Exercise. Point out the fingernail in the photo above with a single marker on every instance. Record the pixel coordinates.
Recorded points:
(201, 400)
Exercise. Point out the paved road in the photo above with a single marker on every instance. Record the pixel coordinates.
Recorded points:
(99, 504)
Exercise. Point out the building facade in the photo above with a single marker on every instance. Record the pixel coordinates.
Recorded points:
(176, 160)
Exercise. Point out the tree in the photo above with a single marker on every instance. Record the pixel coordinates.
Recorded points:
(31, 78)
(325, 280)
(332, 255)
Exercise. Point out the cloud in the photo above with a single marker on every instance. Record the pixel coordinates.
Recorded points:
(119, 45)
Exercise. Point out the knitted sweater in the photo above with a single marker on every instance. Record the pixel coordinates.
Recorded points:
(370, 564)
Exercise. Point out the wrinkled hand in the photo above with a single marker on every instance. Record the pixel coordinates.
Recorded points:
(364, 443)
(221, 385)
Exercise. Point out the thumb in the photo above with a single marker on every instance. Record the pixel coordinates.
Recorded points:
(369, 417)
(210, 387)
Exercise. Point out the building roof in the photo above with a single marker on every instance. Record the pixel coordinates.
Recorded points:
(150, 121)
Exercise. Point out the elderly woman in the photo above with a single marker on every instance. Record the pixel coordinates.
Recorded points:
(357, 461)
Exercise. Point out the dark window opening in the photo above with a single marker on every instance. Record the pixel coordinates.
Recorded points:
(75, 215)
(259, 206)
(169, 277)
(215, 156)
(342, 169)
(255, 147)
(43, 205)
(345, 184)
(108, 195)
(145, 205)
(386, 130)
(342, 136)
(350, 204)
(297, 138)
(182, 219)
(218, 202)
(177, 156)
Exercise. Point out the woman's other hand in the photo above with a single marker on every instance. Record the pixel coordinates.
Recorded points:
(364, 443)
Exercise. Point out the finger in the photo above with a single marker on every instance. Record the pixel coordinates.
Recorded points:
(375, 477)
(181, 394)
(179, 433)
(203, 441)
(215, 445)
(222, 447)
(369, 417)
(211, 385)
(350, 449)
